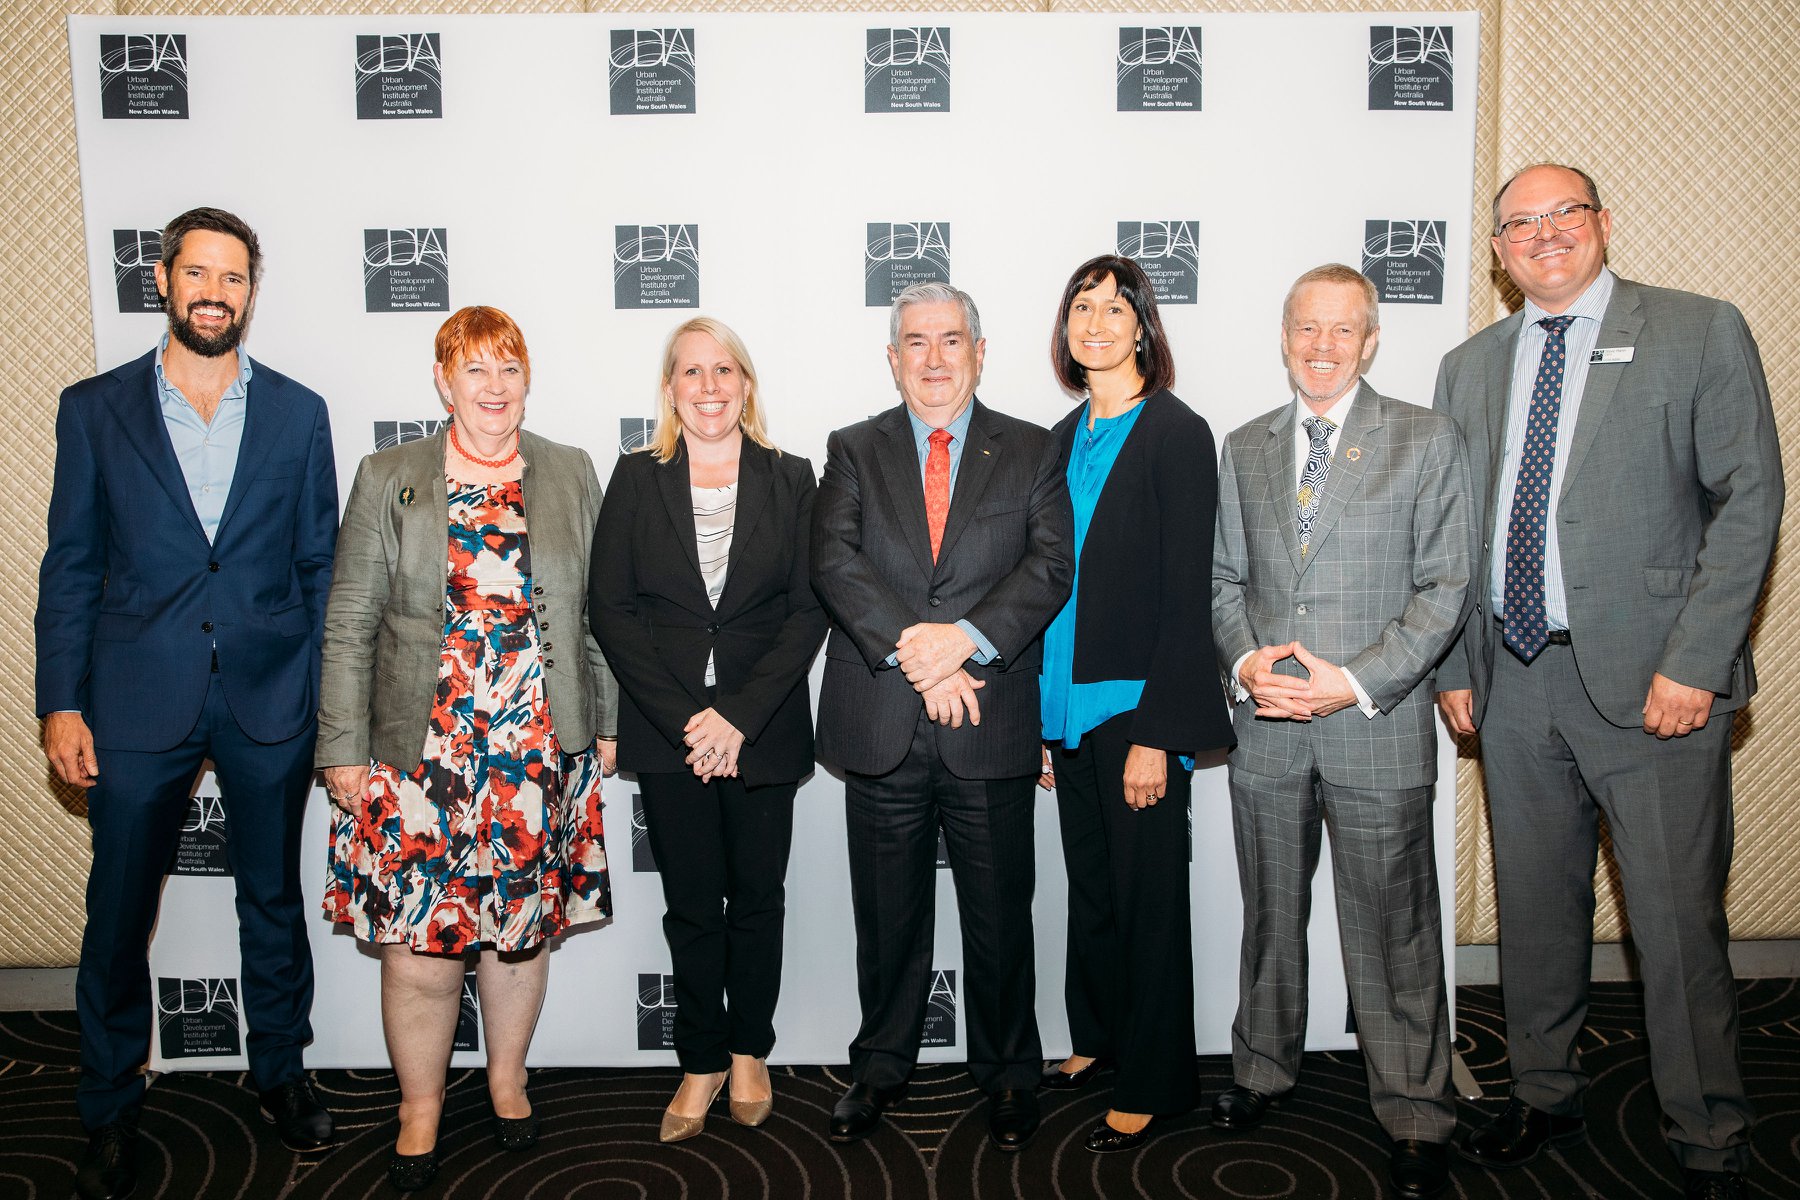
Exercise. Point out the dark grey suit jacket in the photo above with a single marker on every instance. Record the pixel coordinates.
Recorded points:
(1670, 502)
(1005, 565)
(1381, 592)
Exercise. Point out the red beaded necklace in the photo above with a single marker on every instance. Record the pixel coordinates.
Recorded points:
(492, 464)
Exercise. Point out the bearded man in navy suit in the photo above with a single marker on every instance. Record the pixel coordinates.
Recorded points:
(181, 605)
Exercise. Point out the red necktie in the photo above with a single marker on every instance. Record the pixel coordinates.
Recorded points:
(937, 487)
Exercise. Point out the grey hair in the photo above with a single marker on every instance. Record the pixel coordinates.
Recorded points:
(933, 293)
(1339, 273)
(1587, 181)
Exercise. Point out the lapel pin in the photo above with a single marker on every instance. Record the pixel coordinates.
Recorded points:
(406, 496)
(985, 452)
(1353, 453)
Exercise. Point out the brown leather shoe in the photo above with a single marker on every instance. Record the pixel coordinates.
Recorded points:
(1519, 1134)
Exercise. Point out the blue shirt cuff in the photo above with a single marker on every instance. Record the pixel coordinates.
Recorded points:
(984, 649)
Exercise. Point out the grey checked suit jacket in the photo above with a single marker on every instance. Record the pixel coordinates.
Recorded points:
(1006, 564)
(1670, 502)
(1382, 591)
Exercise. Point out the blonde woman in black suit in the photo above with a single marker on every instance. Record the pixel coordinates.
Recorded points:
(699, 595)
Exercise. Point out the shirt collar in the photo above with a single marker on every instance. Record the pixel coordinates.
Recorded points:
(1335, 414)
(958, 428)
(1589, 306)
(241, 387)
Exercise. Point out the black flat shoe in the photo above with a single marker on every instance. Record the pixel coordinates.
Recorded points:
(1419, 1170)
(515, 1134)
(410, 1172)
(1239, 1108)
(1059, 1080)
(1104, 1139)
(302, 1122)
(108, 1169)
(1519, 1134)
(859, 1111)
(1012, 1118)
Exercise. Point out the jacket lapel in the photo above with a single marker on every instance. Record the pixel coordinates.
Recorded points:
(672, 480)
(1501, 350)
(138, 409)
(980, 452)
(265, 414)
(1618, 327)
(755, 475)
(1356, 448)
(1277, 471)
(898, 462)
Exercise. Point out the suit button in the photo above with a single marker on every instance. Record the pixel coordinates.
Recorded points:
(548, 646)
(549, 664)
(212, 566)
(542, 607)
(934, 602)
(1301, 610)
(713, 629)
(537, 591)
(543, 626)
(206, 627)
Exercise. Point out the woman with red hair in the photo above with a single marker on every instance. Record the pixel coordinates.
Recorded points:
(463, 749)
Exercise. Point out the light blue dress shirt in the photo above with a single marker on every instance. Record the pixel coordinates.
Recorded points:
(1580, 338)
(207, 453)
(985, 652)
(1071, 709)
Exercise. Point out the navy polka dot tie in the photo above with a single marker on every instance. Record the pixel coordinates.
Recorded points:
(1527, 628)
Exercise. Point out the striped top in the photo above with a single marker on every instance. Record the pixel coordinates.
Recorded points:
(715, 511)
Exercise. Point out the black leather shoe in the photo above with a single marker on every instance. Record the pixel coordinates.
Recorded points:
(410, 1172)
(1104, 1139)
(1713, 1185)
(1058, 1080)
(855, 1115)
(1419, 1170)
(515, 1134)
(109, 1168)
(1012, 1118)
(298, 1117)
(1239, 1108)
(1519, 1134)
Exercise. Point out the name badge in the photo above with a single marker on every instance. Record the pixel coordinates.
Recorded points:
(1613, 354)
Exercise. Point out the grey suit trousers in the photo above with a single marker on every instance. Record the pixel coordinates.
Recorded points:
(1552, 763)
(1388, 919)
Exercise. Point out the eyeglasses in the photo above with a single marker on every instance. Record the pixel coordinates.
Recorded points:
(1525, 229)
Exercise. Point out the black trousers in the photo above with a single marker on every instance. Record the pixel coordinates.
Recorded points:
(892, 822)
(136, 811)
(1130, 981)
(722, 851)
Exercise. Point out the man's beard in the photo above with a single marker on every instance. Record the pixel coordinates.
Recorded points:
(224, 342)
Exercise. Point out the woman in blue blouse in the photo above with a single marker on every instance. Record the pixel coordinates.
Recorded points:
(1130, 693)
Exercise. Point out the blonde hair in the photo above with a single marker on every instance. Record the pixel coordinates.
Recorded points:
(667, 436)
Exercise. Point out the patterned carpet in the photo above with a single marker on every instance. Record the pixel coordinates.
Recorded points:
(203, 1139)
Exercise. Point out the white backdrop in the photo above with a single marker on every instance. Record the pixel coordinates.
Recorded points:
(500, 136)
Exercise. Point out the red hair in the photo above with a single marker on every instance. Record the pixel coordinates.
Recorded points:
(480, 329)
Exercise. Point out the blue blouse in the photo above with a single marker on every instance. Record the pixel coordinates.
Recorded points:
(1071, 709)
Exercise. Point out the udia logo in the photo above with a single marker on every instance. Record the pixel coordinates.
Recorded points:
(643, 858)
(389, 434)
(399, 75)
(198, 1018)
(907, 69)
(940, 1011)
(135, 252)
(1406, 260)
(1169, 252)
(1412, 66)
(200, 846)
(899, 254)
(656, 266)
(1159, 68)
(651, 71)
(656, 1012)
(406, 270)
(143, 76)
(468, 1016)
(635, 433)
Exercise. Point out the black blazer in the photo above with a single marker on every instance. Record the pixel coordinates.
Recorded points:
(1144, 596)
(647, 601)
(1004, 565)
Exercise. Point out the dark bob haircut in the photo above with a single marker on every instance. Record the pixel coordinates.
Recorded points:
(1154, 361)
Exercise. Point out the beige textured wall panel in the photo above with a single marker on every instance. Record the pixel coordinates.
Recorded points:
(1687, 125)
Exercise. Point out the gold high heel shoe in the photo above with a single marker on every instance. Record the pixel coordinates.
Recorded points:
(754, 1112)
(679, 1129)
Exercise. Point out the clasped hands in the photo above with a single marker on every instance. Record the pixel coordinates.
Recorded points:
(931, 656)
(1290, 697)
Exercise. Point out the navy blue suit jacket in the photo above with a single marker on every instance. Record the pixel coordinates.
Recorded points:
(132, 597)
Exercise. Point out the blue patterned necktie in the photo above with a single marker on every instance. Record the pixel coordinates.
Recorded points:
(1312, 479)
(1527, 629)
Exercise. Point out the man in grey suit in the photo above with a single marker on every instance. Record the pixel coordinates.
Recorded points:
(1341, 570)
(1626, 466)
(941, 547)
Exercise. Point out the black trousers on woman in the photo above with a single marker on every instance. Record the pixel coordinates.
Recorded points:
(722, 851)
(1130, 982)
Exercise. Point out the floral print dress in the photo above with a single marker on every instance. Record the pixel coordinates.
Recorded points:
(494, 839)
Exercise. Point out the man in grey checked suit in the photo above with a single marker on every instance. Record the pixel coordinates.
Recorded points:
(1618, 573)
(1341, 571)
(942, 545)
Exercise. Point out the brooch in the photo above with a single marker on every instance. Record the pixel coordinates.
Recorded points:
(1353, 453)
(406, 496)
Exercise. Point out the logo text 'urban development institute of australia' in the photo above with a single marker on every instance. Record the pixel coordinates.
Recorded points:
(1159, 68)
(651, 71)
(1412, 67)
(406, 270)
(907, 70)
(656, 266)
(1169, 252)
(899, 254)
(1405, 259)
(198, 1018)
(135, 252)
(399, 76)
(143, 76)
